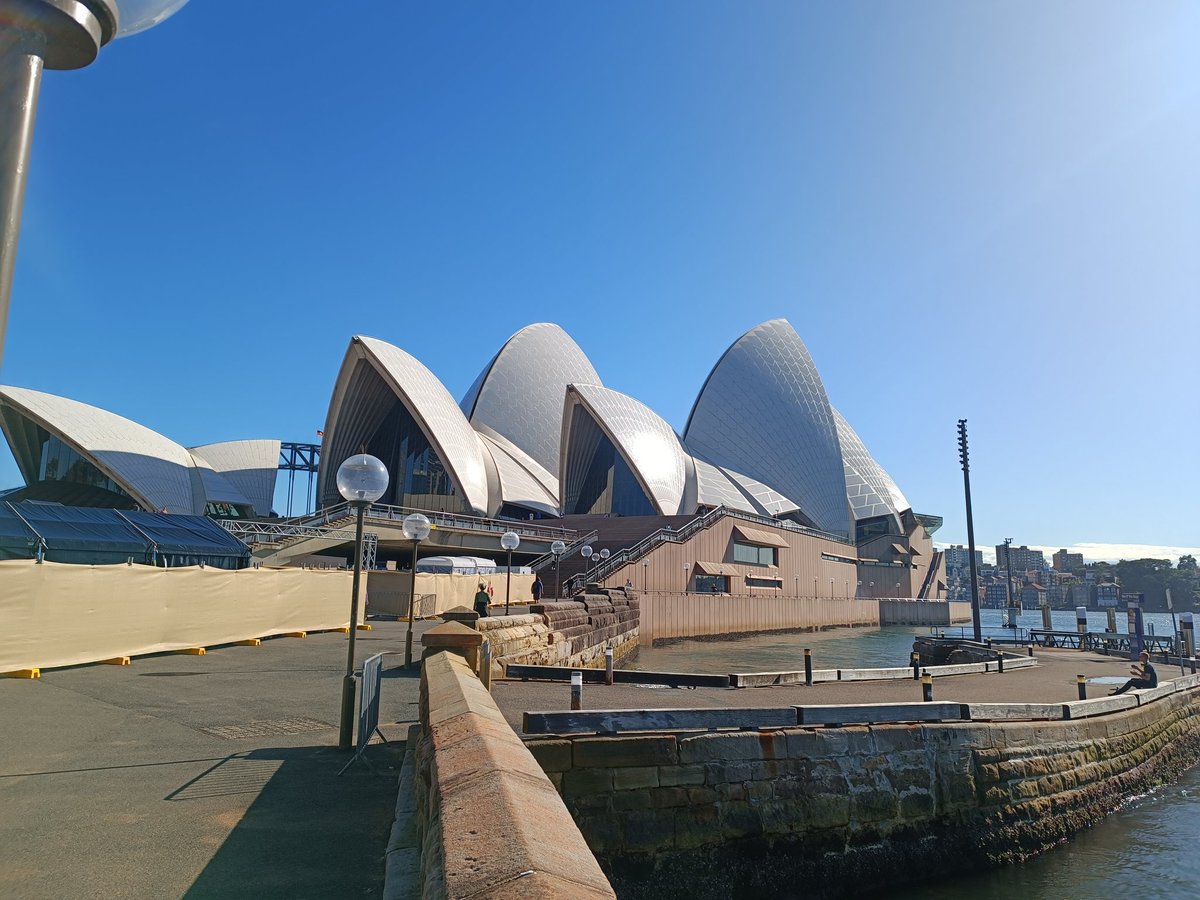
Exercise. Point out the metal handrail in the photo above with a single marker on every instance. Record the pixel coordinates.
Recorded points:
(667, 534)
(572, 548)
(442, 520)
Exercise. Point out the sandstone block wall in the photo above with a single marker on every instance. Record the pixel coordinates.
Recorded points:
(842, 811)
(565, 633)
(488, 821)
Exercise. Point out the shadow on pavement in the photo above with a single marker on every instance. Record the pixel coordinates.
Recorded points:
(309, 833)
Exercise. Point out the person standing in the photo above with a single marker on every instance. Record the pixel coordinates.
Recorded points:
(537, 589)
(481, 601)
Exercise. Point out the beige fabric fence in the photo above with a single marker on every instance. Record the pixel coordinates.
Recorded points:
(55, 614)
(388, 591)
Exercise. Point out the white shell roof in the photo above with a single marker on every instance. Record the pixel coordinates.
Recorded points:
(430, 404)
(763, 412)
(250, 466)
(519, 394)
(649, 445)
(153, 469)
(714, 488)
(867, 484)
(517, 484)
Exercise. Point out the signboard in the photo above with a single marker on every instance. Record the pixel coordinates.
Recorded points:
(1137, 637)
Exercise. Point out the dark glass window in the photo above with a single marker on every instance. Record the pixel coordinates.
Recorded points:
(754, 554)
(418, 477)
(712, 584)
(598, 478)
(764, 582)
(60, 463)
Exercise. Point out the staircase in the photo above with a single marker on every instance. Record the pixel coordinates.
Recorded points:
(931, 576)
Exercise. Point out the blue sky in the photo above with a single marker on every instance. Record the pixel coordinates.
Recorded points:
(988, 211)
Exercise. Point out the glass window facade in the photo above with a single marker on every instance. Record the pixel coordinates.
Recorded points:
(763, 582)
(60, 463)
(417, 476)
(712, 584)
(598, 478)
(754, 554)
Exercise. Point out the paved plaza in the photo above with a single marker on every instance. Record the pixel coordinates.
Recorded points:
(199, 776)
(216, 775)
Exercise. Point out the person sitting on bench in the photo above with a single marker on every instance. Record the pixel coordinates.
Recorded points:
(1143, 673)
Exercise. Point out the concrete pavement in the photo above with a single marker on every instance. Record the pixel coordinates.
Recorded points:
(199, 776)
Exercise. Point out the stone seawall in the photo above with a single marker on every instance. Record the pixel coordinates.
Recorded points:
(842, 811)
(567, 633)
(476, 815)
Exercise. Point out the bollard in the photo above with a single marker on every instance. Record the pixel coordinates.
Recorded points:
(808, 667)
(1082, 682)
(576, 690)
(915, 658)
(608, 666)
(1000, 662)
(1081, 619)
(988, 641)
(485, 665)
(1112, 620)
(1047, 625)
(1187, 629)
(927, 688)
(1029, 649)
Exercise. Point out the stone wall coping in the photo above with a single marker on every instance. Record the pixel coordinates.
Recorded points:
(499, 823)
(451, 634)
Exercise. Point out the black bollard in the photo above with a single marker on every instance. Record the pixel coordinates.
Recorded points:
(927, 688)
(1082, 682)
(1030, 649)
(1000, 662)
(915, 658)
(808, 666)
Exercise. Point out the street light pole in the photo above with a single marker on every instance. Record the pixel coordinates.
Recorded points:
(1012, 601)
(361, 479)
(416, 528)
(509, 541)
(965, 459)
(37, 35)
(557, 548)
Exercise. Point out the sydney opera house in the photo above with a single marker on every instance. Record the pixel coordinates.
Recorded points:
(539, 437)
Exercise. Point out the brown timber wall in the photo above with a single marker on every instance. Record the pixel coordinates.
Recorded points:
(693, 615)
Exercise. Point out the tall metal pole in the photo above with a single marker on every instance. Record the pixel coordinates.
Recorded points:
(412, 600)
(508, 583)
(346, 727)
(35, 35)
(965, 458)
(1012, 601)
(557, 577)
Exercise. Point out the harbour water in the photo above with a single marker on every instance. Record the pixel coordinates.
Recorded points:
(1145, 849)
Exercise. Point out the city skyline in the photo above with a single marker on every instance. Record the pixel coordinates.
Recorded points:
(1012, 245)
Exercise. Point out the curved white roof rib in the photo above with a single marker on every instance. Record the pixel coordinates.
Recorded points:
(518, 485)
(715, 488)
(250, 466)
(154, 470)
(649, 445)
(425, 398)
(867, 484)
(763, 412)
(518, 397)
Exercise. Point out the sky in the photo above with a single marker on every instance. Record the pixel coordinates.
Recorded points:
(980, 211)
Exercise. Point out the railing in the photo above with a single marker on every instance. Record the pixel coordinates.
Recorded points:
(668, 535)
(278, 531)
(572, 548)
(930, 576)
(442, 520)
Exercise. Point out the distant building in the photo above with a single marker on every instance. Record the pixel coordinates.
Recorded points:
(1022, 558)
(959, 557)
(1033, 596)
(1108, 595)
(1068, 562)
(1081, 594)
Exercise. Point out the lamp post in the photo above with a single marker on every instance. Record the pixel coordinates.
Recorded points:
(965, 459)
(858, 591)
(1012, 601)
(510, 541)
(558, 548)
(361, 479)
(897, 590)
(646, 576)
(814, 587)
(830, 588)
(586, 552)
(416, 529)
(686, 570)
(47, 34)
(604, 555)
